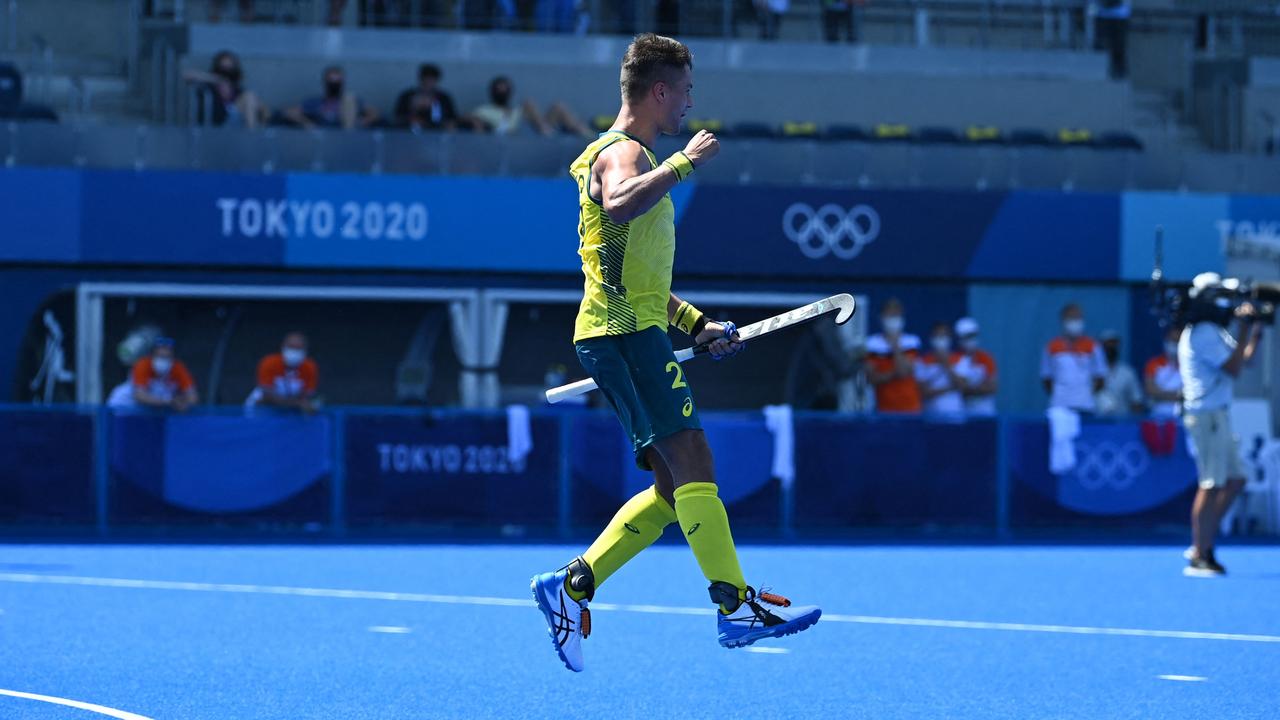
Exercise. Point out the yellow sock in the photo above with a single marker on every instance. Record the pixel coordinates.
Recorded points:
(706, 529)
(635, 526)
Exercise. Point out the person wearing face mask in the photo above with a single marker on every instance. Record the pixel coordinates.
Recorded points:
(502, 115)
(940, 385)
(228, 100)
(162, 381)
(891, 359)
(1072, 366)
(977, 369)
(1164, 378)
(288, 379)
(336, 108)
(426, 107)
(1121, 394)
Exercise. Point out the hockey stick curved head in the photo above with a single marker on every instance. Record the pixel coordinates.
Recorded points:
(845, 304)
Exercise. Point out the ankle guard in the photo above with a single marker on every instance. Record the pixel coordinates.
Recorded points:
(725, 595)
(581, 578)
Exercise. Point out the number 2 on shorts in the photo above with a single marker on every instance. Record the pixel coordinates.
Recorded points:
(679, 381)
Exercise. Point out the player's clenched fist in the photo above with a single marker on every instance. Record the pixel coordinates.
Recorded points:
(702, 147)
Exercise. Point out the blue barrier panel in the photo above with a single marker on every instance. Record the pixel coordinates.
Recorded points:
(893, 472)
(449, 469)
(1117, 481)
(604, 473)
(46, 467)
(183, 467)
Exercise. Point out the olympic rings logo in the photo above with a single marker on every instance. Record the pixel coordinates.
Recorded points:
(831, 229)
(1110, 464)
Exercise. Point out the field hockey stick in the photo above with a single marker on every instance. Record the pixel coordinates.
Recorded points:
(843, 305)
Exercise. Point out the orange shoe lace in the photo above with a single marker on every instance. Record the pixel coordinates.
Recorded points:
(774, 599)
(585, 623)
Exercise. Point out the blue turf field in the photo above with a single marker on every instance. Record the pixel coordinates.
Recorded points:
(259, 632)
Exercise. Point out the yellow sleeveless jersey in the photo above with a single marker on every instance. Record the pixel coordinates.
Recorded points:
(627, 266)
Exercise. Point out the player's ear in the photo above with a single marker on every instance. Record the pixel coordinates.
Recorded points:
(660, 91)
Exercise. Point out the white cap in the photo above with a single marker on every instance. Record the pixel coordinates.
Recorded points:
(1205, 280)
(966, 326)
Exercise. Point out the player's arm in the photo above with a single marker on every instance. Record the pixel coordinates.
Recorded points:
(720, 338)
(630, 185)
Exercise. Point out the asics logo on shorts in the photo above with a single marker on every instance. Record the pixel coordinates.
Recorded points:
(831, 229)
(687, 410)
(1109, 464)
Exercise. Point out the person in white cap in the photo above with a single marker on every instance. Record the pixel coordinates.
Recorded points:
(1210, 360)
(978, 370)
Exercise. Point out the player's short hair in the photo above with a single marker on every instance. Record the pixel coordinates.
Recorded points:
(429, 70)
(649, 59)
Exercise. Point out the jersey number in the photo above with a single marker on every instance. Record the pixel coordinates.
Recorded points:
(679, 381)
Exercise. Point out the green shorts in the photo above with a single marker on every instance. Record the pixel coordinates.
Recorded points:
(639, 375)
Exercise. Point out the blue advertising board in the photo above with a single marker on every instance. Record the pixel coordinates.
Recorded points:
(179, 218)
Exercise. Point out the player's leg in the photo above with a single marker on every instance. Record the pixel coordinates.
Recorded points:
(636, 526)
(563, 595)
(1211, 435)
(679, 439)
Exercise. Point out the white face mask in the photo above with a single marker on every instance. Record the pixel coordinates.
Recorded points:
(1170, 348)
(1073, 327)
(162, 365)
(969, 344)
(293, 357)
(892, 324)
(941, 344)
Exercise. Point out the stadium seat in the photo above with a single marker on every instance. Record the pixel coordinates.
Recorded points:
(844, 132)
(754, 130)
(886, 132)
(708, 124)
(603, 122)
(937, 136)
(1075, 136)
(800, 130)
(1029, 136)
(1117, 141)
(983, 134)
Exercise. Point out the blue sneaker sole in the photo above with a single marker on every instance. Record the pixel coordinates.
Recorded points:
(549, 620)
(790, 628)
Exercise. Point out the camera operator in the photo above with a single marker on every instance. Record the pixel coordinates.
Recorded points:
(1210, 359)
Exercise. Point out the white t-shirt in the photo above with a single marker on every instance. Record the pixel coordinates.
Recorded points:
(1120, 391)
(1072, 364)
(932, 376)
(1202, 351)
(1163, 372)
(975, 368)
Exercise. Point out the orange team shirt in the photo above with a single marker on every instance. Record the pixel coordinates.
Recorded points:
(165, 387)
(285, 381)
(900, 395)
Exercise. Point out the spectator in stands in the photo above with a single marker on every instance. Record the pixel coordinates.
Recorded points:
(162, 381)
(216, 7)
(940, 384)
(1164, 378)
(977, 369)
(770, 13)
(426, 107)
(1072, 366)
(228, 102)
(1120, 394)
(287, 380)
(335, 108)
(838, 16)
(1113, 34)
(502, 115)
(891, 358)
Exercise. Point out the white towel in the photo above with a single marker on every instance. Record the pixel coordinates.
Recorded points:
(1064, 428)
(519, 434)
(778, 419)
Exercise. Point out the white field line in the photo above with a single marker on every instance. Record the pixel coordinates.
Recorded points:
(101, 710)
(652, 609)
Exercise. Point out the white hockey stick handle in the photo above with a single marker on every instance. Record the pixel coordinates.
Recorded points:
(582, 387)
